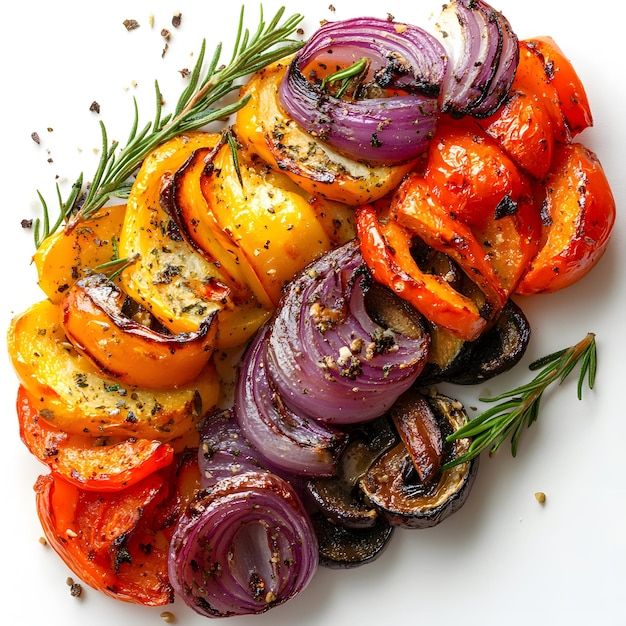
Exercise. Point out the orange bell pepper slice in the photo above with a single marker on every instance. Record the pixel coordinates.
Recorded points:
(578, 212)
(560, 73)
(76, 397)
(70, 254)
(126, 349)
(87, 462)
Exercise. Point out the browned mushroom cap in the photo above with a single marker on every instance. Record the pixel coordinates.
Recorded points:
(393, 484)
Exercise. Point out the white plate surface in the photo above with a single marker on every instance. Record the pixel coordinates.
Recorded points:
(504, 558)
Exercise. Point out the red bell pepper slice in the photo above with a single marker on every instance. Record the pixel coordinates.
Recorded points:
(117, 542)
(386, 249)
(419, 211)
(110, 466)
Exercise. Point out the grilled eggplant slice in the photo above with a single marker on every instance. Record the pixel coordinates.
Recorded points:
(338, 498)
(496, 351)
(393, 484)
(342, 548)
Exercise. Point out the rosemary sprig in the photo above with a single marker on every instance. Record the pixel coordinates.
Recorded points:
(195, 108)
(519, 408)
(347, 77)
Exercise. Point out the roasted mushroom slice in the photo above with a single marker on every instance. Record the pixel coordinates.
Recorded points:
(342, 548)
(338, 497)
(393, 484)
(391, 311)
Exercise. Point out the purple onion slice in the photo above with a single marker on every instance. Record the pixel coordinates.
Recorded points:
(242, 547)
(329, 359)
(286, 441)
(376, 130)
(224, 451)
(482, 52)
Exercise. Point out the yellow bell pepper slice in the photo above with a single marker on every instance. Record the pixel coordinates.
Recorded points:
(275, 228)
(176, 284)
(69, 255)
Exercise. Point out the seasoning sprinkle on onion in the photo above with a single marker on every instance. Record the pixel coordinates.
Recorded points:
(329, 358)
(392, 108)
(243, 547)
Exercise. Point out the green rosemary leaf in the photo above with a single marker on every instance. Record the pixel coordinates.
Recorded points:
(517, 409)
(346, 76)
(545, 360)
(199, 105)
(232, 144)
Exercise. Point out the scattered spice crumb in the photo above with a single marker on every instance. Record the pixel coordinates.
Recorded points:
(177, 19)
(540, 496)
(28, 223)
(75, 588)
(42, 540)
(184, 72)
(131, 24)
(168, 617)
(94, 107)
(390, 17)
(35, 137)
(331, 8)
(300, 31)
(165, 33)
(165, 49)
(50, 129)
(151, 20)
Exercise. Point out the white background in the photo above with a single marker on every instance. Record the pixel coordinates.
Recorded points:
(503, 559)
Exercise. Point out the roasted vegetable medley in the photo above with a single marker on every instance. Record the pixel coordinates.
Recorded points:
(366, 226)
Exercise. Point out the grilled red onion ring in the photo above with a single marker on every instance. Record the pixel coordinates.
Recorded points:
(328, 358)
(286, 441)
(224, 451)
(243, 547)
(377, 130)
(483, 54)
